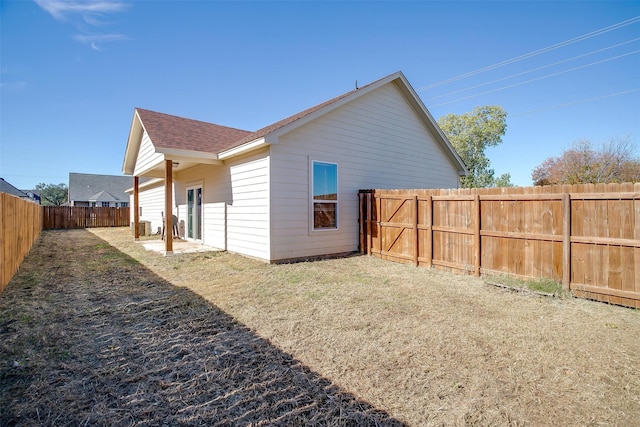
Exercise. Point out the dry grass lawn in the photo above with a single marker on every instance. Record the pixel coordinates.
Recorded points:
(376, 341)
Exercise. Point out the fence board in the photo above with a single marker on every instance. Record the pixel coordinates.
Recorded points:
(20, 226)
(585, 236)
(69, 217)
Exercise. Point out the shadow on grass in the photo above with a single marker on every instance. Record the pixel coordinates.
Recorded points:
(88, 336)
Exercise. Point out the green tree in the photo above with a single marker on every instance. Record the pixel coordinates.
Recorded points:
(471, 134)
(503, 180)
(52, 194)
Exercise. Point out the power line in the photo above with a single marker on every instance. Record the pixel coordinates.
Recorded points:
(582, 101)
(534, 53)
(532, 70)
(536, 79)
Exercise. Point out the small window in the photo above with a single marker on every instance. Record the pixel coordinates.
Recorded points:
(124, 204)
(325, 196)
(105, 204)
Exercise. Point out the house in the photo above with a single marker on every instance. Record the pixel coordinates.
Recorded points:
(5, 187)
(99, 190)
(288, 190)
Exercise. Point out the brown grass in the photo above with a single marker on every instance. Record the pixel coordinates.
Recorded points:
(137, 336)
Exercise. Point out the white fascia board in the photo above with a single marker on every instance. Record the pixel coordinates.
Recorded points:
(133, 145)
(177, 154)
(245, 148)
(156, 182)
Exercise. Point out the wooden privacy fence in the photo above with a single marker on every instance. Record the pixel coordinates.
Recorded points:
(585, 236)
(84, 217)
(20, 226)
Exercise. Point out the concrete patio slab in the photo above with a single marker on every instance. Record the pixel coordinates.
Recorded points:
(179, 247)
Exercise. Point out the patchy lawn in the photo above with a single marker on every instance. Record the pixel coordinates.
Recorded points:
(99, 334)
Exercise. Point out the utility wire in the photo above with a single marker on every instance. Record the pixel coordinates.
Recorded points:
(553, 107)
(534, 53)
(537, 78)
(532, 70)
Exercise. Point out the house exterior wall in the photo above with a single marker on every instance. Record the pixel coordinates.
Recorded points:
(378, 141)
(235, 203)
(248, 229)
(151, 203)
(147, 157)
(214, 181)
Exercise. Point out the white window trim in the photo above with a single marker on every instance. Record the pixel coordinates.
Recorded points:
(312, 229)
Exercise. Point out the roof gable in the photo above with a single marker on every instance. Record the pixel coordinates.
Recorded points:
(167, 131)
(290, 123)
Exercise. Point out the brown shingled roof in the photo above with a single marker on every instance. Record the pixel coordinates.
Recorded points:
(167, 131)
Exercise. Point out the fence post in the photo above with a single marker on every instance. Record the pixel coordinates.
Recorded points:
(416, 247)
(369, 237)
(477, 248)
(429, 249)
(363, 227)
(566, 241)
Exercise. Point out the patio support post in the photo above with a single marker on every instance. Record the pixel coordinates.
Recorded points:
(136, 208)
(168, 208)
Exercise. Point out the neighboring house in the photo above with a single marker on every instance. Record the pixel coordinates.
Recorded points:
(34, 195)
(5, 187)
(289, 190)
(99, 190)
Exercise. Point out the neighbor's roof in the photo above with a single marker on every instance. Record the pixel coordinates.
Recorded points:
(167, 131)
(5, 187)
(104, 196)
(84, 187)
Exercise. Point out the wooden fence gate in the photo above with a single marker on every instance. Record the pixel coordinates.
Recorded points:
(585, 236)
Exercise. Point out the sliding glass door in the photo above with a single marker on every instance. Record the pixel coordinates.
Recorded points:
(194, 213)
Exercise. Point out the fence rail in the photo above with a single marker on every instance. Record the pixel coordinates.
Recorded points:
(585, 236)
(20, 226)
(55, 217)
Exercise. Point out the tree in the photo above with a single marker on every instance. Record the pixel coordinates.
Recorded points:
(471, 134)
(52, 194)
(503, 180)
(583, 163)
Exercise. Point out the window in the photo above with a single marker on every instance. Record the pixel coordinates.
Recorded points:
(105, 204)
(325, 195)
(124, 204)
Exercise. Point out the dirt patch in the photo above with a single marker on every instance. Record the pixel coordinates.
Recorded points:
(424, 347)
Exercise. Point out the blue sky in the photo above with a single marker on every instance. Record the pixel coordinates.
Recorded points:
(73, 71)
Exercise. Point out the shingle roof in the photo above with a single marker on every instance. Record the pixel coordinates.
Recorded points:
(84, 186)
(103, 196)
(5, 187)
(167, 131)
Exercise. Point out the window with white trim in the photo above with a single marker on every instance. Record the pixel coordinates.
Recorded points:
(324, 198)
